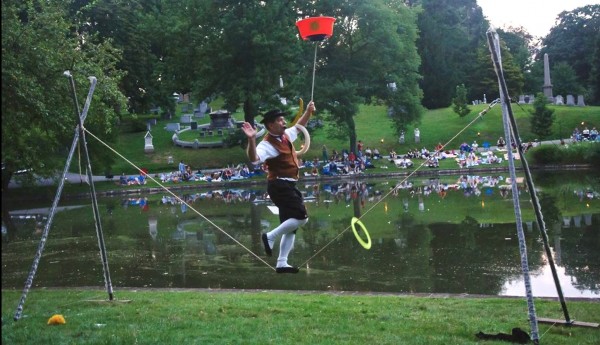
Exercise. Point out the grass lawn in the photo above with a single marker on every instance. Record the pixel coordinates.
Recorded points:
(373, 127)
(258, 317)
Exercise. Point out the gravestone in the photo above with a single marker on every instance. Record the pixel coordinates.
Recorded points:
(203, 106)
(220, 119)
(531, 99)
(521, 99)
(580, 102)
(558, 100)
(186, 118)
(173, 127)
(570, 100)
(148, 146)
(547, 87)
(417, 135)
(201, 110)
(484, 99)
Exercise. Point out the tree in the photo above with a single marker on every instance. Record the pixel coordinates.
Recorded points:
(38, 121)
(131, 27)
(240, 49)
(541, 117)
(564, 80)
(523, 48)
(595, 75)
(449, 34)
(460, 101)
(363, 59)
(573, 40)
(485, 80)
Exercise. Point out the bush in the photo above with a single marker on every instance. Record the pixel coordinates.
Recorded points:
(582, 153)
(592, 155)
(136, 123)
(546, 154)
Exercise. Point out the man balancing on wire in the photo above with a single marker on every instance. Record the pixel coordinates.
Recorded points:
(277, 151)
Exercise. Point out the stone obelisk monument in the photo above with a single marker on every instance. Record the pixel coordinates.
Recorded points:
(547, 84)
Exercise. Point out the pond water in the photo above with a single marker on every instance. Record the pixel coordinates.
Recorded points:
(452, 234)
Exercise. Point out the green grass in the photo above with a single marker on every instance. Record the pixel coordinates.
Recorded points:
(209, 317)
(373, 127)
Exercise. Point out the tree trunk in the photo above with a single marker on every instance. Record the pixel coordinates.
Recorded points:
(249, 111)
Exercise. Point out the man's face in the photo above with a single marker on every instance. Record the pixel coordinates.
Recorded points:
(278, 126)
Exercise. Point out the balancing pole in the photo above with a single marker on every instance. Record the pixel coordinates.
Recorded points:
(312, 89)
(315, 29)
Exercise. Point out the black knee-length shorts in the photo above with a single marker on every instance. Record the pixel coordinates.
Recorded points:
(287, 198)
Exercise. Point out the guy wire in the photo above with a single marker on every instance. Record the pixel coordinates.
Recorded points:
(179, 199)
(480, 115)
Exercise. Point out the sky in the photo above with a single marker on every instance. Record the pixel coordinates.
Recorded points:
(536, 16)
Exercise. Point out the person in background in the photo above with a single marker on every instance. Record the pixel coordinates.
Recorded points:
(501, 143)
(181, 168)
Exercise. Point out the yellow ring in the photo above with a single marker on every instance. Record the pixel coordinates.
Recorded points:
(366, 245)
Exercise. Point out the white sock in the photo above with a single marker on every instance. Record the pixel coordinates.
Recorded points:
(285, 247)
(284, 228)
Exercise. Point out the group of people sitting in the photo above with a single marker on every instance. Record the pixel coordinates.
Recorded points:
(585, 134)
(241, 171)
(132, 180)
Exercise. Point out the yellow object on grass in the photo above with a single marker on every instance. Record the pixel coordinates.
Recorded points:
(57, 319)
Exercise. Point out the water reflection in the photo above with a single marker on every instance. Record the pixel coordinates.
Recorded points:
(438, 235)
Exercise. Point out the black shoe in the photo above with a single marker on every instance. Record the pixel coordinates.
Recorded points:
(287, 270)
(265, 241)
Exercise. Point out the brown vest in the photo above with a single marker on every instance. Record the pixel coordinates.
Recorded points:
(284, 165)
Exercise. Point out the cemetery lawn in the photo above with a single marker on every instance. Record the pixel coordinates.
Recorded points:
(373, 127)
(185, 316)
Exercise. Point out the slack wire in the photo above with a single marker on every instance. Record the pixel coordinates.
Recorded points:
(179, 199)
(480, 115)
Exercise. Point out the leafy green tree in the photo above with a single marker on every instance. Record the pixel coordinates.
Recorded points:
(523, 48)
(240, 48)
(459, 102)
(38, 118)
(533, 78)
(564, 80)
(521, 45)
(573, 40)
(485, 80)
(129, 25)
(449, 34)
(541, 117)
(595, 75)
(363, 60)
